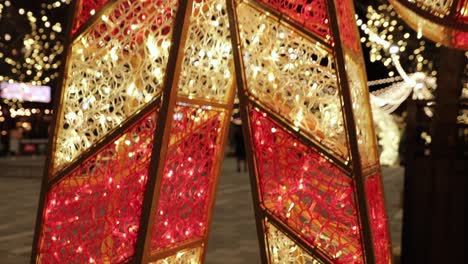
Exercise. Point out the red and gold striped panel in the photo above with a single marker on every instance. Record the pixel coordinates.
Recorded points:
(92, 214)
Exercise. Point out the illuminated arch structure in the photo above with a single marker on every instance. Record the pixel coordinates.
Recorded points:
(442, 21)
(141, 124)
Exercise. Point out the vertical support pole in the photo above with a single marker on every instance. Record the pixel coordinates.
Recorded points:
(350, 121)
(71, 12)
(416, 188)
(448, 219)
(161, 136)
(436, 234)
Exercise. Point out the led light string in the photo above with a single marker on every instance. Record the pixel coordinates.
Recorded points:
(386, 40)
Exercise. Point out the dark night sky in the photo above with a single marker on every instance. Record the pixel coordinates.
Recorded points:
(374, 70)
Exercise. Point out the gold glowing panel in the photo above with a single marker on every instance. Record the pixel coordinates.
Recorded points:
(292, 75)
(439, 8)
(361, 109)
(113, 71)
(282, 250)
(357, 79)
(433, 31)
(206, 71)
(186, 256)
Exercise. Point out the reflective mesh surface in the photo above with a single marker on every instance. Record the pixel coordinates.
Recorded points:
(114, 70)
(310, 194)
(361, 110)
(86, 9)
(378, 219)
(311, 14)
(347, 22)
(357, 80)
(293, 76)
(187, 185)
(187, 256)
(92, 215)
(207, 65)
(283, 250)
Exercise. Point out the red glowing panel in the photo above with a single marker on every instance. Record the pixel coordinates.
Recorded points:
(460, 39)
(92, 215)
(86, 9)
(130, 21)
(311, 14)
(187, 185)
(307, 192)
(347, 22)
(462, 12)
(378, 219)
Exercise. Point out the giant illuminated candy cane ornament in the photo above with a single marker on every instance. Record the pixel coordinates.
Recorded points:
(141, 121)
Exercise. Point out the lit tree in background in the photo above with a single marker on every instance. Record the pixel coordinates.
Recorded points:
(31, 44)
(408, 69)
(31, 41)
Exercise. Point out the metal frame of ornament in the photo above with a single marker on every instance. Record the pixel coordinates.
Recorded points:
(166, 101)
(440, 28)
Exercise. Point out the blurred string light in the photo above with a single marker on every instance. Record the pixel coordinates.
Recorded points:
(393, 45)
(33, 56)
(388, 134)
(462, 117)
(390, 43)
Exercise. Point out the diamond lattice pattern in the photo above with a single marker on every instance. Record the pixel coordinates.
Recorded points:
(114, 70)
(92, 214)
(188, 181)
(293, 77)
(307, 192)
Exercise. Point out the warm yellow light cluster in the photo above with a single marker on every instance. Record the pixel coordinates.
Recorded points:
(186, 256)
(462, 117)
(283, 250)
(26, 112)
(56, 4)
(110, 77)
(293, 76)
(41, 50)
(439, 8)
(390, 43)
(208, 50)
(36, 59)
(361, 109)
(388, 134)
(464, 93)
(386, 38)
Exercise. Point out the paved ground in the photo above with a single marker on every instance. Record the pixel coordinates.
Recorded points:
(18, 202)
(233, 236)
